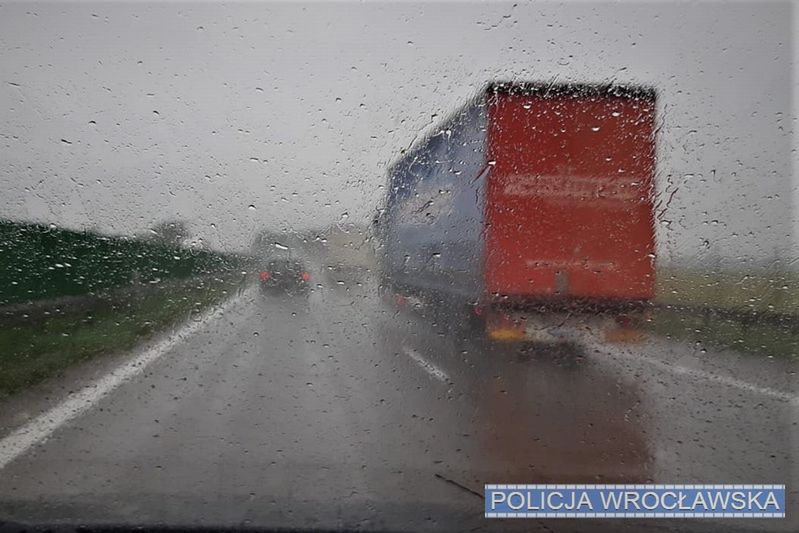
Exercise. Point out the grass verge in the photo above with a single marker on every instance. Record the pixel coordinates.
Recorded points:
(35, 349)
(753, 295)
(757, 338)
(762, 291)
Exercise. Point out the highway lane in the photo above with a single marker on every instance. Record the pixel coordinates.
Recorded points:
(338, 409)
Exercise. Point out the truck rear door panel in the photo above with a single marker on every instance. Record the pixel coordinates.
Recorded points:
(568, 209)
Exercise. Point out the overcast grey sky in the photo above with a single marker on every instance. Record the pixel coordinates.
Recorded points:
(199, 111)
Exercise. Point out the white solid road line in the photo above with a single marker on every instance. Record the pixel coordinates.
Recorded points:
(22, 439)
(426, 365)
(700, 374)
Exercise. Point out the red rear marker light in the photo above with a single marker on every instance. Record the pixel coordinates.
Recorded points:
(627, 321)
(263, 276)
(306, 276)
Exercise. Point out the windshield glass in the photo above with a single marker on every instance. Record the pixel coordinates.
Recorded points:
(340, 265)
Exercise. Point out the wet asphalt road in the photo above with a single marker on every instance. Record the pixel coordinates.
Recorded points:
(338, 410)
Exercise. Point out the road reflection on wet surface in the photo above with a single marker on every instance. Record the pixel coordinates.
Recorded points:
(336, 409)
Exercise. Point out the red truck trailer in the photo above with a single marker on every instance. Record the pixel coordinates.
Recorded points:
(545, 226)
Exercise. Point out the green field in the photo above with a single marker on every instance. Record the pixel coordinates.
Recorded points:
(35, 349)
(757, 296)
(67, 296)
(756, 338)
(776, 292)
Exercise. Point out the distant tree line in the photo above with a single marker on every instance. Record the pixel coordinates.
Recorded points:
(38, 261)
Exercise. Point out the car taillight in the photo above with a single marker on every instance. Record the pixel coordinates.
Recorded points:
(305, 276)
(263, 276)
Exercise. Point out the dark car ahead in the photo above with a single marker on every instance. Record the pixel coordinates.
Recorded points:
(289, 275)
